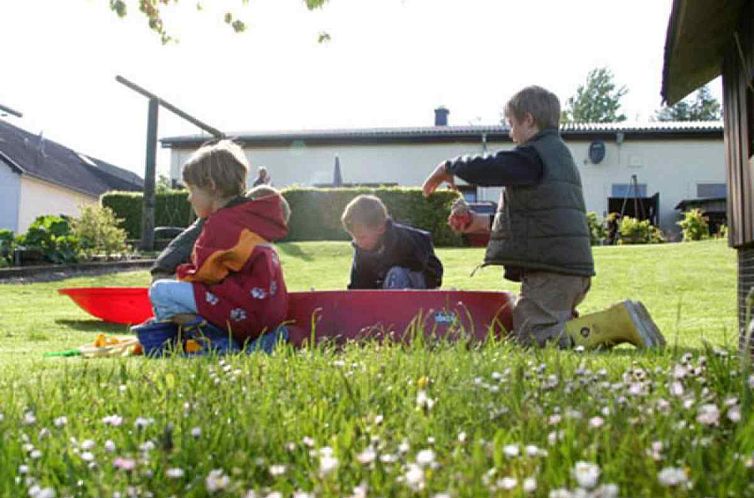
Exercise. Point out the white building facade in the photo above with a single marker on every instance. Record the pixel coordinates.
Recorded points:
(679, 161)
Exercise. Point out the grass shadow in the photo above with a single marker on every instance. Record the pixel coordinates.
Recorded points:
(294, 250)
(95, 326)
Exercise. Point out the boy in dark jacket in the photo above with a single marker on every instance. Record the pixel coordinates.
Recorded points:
(540, 233)
(388, 255)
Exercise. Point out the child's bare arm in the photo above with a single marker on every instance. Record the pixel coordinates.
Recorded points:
(439, 176)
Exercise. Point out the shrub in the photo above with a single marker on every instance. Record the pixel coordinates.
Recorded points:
(315, 213)
(633, 231)
(722, 232)
(171, 209)
(597, 231)
(52, 236)
(98, 232)
(7, 246)
(694, 225)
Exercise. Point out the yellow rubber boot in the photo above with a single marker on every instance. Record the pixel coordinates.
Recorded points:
(627, 321)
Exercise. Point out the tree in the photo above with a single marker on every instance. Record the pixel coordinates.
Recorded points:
(701, 107)
(598, 101)
(152, 10)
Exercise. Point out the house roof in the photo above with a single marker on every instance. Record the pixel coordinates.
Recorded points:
(715, 204)
(433, 134)
(32, 155)
(698, 33)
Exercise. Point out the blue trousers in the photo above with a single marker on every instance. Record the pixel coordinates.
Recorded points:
(170, 298)
(399, 277)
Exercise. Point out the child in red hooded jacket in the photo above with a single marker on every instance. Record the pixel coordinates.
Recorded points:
(234, 279)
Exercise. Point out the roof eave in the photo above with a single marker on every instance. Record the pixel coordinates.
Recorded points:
(11, 163)
(698, 34)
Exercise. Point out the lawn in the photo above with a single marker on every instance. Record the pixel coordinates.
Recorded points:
(424, 420)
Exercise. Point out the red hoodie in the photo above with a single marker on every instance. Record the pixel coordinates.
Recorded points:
(236, 274)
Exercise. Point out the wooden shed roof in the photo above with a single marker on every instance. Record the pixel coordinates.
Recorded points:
(698, 33)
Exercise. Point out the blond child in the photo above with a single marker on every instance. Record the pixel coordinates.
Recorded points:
(233, 279)
(540, 234)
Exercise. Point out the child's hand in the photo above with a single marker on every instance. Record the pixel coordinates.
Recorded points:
(438, 176)
(460, 222)
(460, 216)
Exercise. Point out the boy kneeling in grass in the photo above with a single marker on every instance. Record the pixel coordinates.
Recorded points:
(540, 233)
(233, 278)
(388, 255)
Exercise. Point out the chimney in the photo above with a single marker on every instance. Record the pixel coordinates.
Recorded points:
(441, 116)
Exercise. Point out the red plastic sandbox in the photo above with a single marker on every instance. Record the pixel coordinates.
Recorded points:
(397, 314)
(127, 305)
(342, 315)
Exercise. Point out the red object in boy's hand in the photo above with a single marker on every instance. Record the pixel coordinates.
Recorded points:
(460, 222)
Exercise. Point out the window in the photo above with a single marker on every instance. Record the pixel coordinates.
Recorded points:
(711, 190)
(627, 190)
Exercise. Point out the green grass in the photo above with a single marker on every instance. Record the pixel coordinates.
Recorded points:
(325, 422)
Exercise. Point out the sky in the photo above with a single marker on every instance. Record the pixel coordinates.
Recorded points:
(388, 63)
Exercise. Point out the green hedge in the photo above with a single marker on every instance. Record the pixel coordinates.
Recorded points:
(171, 209)
(315, 213)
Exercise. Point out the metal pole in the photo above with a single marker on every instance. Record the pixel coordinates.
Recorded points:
(10, 111)
(635, 186)
(170, 107)
(147, 215)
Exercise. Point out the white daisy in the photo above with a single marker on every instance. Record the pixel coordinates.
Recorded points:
(672, 476)
(586, 474)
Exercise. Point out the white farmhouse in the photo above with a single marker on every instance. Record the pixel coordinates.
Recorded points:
(679, 161)
(40, 177)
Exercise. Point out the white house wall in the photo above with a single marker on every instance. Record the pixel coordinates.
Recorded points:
(672, 167)
(42, 198)
(10, 185)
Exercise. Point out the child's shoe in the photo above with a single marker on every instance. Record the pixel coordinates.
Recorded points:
(266, 342)
(201, 337)
(628, 321)
(156, 338)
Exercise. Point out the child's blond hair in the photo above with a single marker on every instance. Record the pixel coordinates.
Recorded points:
(263, 191)
(541, 103)
(364, 210)
(219, 166)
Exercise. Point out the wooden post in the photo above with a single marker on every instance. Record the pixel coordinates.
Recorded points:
(10, 111)
(150, 171)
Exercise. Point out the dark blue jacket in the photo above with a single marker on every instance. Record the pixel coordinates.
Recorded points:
(403, 246)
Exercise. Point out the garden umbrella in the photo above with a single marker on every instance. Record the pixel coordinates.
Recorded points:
(337, 178)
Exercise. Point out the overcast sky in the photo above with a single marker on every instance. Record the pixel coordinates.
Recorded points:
(388, 63)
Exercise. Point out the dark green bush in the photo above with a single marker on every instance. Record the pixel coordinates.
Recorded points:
(315, 213)
(7, 245)
(171, 209)
(53, 237)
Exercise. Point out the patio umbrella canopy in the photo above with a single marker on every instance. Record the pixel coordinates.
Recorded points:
(337, 177)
